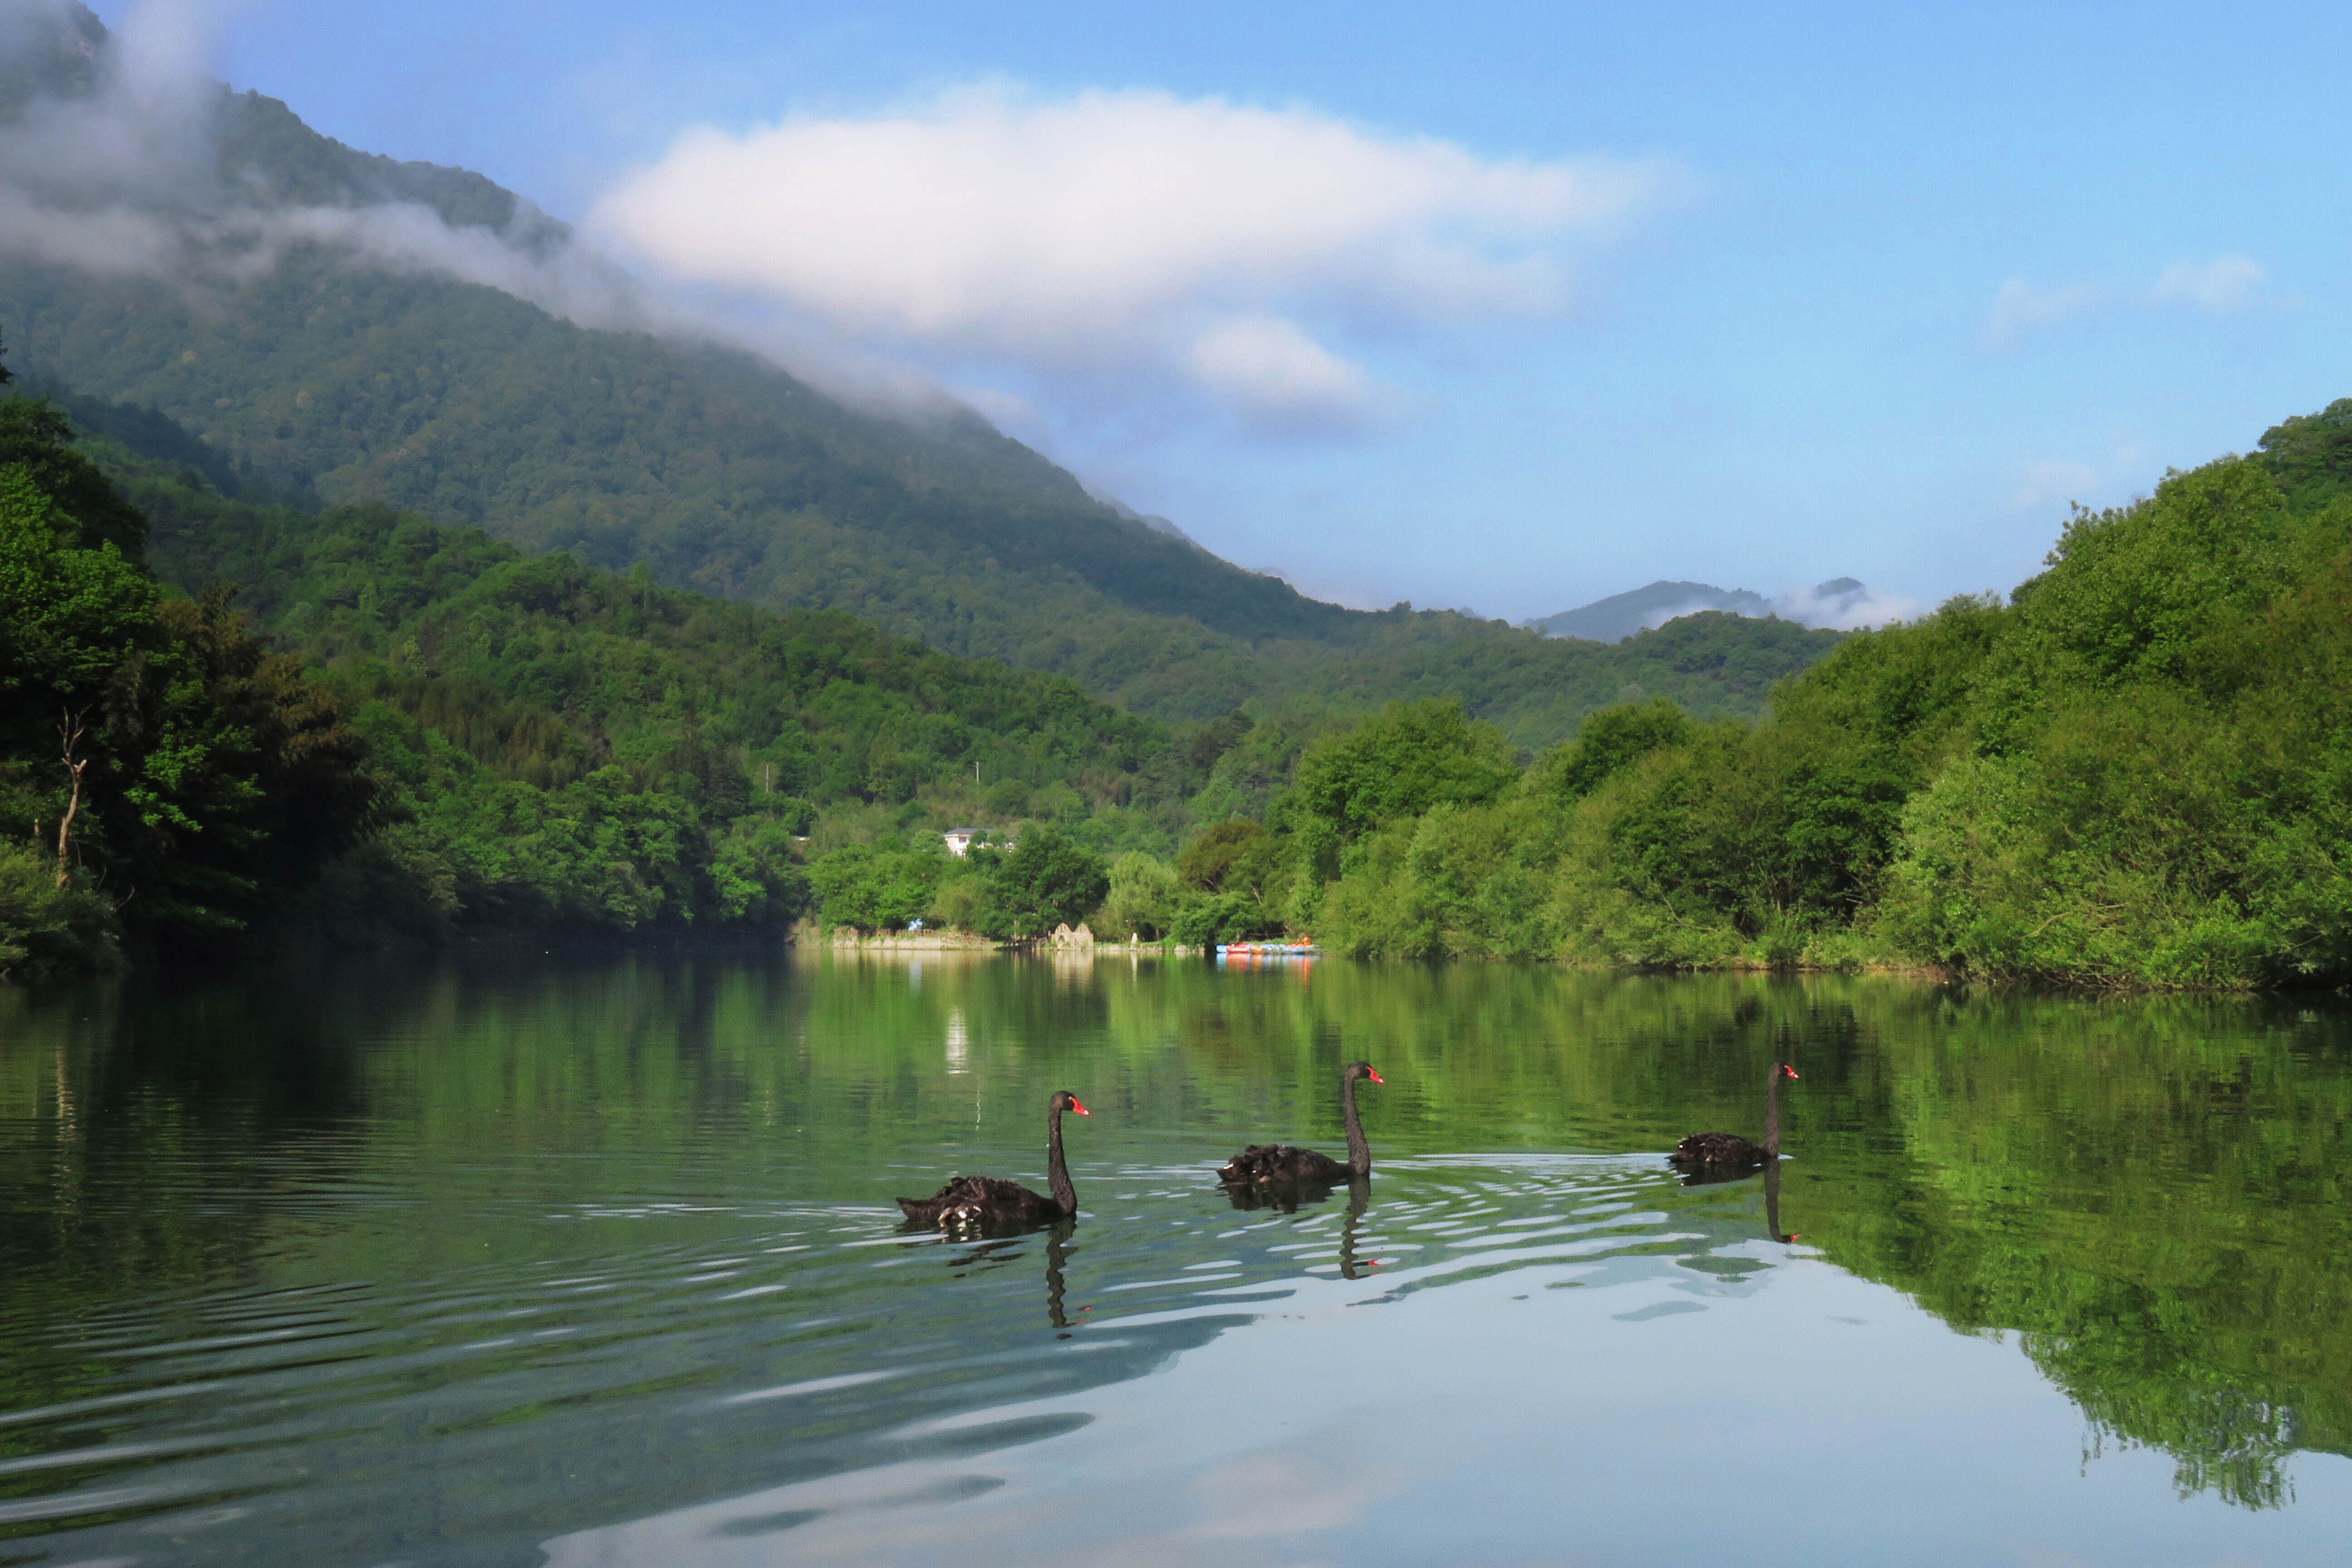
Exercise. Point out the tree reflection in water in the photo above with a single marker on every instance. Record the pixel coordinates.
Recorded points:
(2145, 1193)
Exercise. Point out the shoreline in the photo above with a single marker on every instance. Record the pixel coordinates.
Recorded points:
(1062, 942)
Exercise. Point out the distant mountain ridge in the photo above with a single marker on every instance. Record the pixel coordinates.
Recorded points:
(1622, 615)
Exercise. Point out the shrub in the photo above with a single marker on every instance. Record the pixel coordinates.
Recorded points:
(45, 928)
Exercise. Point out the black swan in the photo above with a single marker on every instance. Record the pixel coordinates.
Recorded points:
(1266, 1164)
(968, 1202)
(1712, 1152)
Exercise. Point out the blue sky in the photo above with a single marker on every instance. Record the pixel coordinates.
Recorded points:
(1753, 295)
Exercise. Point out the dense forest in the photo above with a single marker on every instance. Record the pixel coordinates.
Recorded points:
(154, 755)
(2137, 770)
(2132, 772)
(462, 736)
(528, 742)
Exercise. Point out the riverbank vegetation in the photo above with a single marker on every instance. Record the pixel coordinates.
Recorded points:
(160, 768)
(524, 742)
(2134, 772)
(438, 733)
(2131, 771)
(542, 744)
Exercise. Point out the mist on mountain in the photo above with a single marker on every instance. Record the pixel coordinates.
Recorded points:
(1842, 603)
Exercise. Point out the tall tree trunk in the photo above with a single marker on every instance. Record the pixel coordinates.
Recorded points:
(69, 732)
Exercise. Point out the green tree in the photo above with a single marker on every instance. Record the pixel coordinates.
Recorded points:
(198, 770)
(69, 614)
(1143, 897)
(229, 777)
(1210, 858)
(1205, 920)
(38, 438)
(1607, 743)
(2312, 453)
(875, 887)
(1046, 880)
(1398, 764)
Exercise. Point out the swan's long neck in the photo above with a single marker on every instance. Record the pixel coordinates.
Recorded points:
(1773, 1113)
(1359, 1153)
(1057, 1169)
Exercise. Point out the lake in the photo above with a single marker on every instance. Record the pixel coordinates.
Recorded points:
(591, 1258)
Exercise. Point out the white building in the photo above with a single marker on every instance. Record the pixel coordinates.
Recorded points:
(962, 839)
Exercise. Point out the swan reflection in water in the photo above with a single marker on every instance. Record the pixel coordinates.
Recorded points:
(1772, 1204)
(1057, 1252)
(970, 1256)
(1708, 1176)
(1286, 1197)
(1360, 1198)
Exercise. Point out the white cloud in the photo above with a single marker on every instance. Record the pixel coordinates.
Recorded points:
(1114, 230)
(143, 135)
(125, 180)
(2020, 308)
(1843, 604)
(2067, 482)
(1653, 619)
(1085, 250)
(1008, 411)
(237, 244)
(2218, 287)
(1271, 367)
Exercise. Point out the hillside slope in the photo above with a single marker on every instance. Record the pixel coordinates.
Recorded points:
(308, 326)
(548, 744)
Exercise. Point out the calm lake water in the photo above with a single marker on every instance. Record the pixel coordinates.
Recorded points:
(592, 1260)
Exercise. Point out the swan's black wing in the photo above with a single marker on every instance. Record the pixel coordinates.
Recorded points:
(1716, 1149)
(969, 1201)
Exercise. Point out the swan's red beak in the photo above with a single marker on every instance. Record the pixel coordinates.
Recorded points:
(1081, 1110)
(1373, 1076)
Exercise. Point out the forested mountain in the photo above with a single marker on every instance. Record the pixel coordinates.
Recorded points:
(590, 626)
(298, 306)
(481, 738)
(2132, 772)
(1622, 615)
(451, 734)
